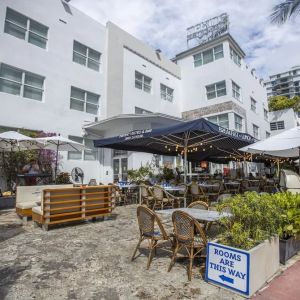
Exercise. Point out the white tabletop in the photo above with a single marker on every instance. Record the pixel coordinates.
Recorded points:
(199, 214)
(173, 188)
(127, 186)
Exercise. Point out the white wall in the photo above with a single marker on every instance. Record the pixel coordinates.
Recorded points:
(288, 116)
(53, 114)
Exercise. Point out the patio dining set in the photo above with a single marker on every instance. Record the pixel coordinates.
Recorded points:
(211, 191)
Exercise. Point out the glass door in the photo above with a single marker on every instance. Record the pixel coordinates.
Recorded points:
(120, 167)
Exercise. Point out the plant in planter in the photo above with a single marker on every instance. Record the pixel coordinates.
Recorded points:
(290, 224)
(63, 178)
(143, 174)
(165, 174)
(246, 254)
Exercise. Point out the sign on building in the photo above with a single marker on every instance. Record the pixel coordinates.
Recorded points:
(207, 30)
(228, 267)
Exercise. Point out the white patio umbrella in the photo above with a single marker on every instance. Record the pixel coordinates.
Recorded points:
(59, 143)
(15, 141)
(285, 144)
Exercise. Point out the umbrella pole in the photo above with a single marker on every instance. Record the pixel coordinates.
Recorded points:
(56, 160)
(185, 164)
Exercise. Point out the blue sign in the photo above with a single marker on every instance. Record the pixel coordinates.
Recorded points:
(228, 267)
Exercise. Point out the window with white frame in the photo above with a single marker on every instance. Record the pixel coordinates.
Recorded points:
(235, 57)
(255, 131)
(86, 56)
(21, 83)
(265, 114)
(217, 89)
(141, 111)
(268, 134)
(238, 122)
(142, 82)
(279, 125)
(84, 101)
(25, 28)
(166, 93)
(89, 154)
(208, 56)
(236, 91)
(253, 104)
(221, 120)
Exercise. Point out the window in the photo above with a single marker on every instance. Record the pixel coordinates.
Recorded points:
(84, 101)
(141, 111)
(236, 91)
(86, 56)
(255, 131)
(22, 83)
(119, 153)
(26, 29)
(265, 114)
(216, 90)
(268, 134)
(238, 122)
(142, 82)
(75, 154)
(166, 93)
(90, 154)
(221, 120)
(235, 57)
(208, 56)
(277, 125)
(253, 104)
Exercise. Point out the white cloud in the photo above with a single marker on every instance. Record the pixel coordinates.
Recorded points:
(162, 24)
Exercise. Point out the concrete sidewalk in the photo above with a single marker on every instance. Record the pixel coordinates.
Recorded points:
(284, 287)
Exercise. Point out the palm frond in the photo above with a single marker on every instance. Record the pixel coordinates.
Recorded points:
(284, 11)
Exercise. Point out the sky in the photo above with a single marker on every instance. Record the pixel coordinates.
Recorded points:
(162, 24)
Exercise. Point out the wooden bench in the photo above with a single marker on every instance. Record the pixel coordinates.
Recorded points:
(73, 204)
(28, 197)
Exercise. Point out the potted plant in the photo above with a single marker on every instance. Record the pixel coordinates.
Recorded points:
(249, 244)
(289, 243)
(143, 174)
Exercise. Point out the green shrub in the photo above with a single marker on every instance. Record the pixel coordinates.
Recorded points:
(140, 175)
(254, 218)
(289, 205)
(63, 178)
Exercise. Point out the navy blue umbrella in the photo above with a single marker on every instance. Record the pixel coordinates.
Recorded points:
(195, 140)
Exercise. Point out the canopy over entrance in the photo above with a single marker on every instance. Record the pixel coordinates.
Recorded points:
(196, 140)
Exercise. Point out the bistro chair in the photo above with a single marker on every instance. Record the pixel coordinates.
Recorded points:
(182, 195)
(232, 187)
(214, 191)
(161, 198)
(254, 186)
(146, 196)
(151, 229)
(196, 192)
(199, 205)
(189, 235)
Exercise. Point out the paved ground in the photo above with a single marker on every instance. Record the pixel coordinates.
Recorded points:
(284, 287)
(90, 261)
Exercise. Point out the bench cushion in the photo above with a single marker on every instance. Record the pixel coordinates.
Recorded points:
(26, 205)
(37, 210)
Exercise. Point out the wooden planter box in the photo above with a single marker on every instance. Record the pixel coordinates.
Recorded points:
(288, 248)
(241, 271)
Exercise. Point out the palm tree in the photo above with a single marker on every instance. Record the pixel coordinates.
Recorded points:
(285, 10)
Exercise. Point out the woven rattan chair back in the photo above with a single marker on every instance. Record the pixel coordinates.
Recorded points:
(144, 190)
(158, 192)
(183, 227)
(194, 189)
(199, 205)
(147, 219)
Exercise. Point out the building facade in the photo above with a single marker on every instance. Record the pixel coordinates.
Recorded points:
(285, 83)
(93, 81)
(282, 120)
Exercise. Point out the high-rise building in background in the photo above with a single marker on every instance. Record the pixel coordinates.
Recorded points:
(284, 84)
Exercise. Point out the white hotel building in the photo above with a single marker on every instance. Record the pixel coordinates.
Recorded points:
(63, 72)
